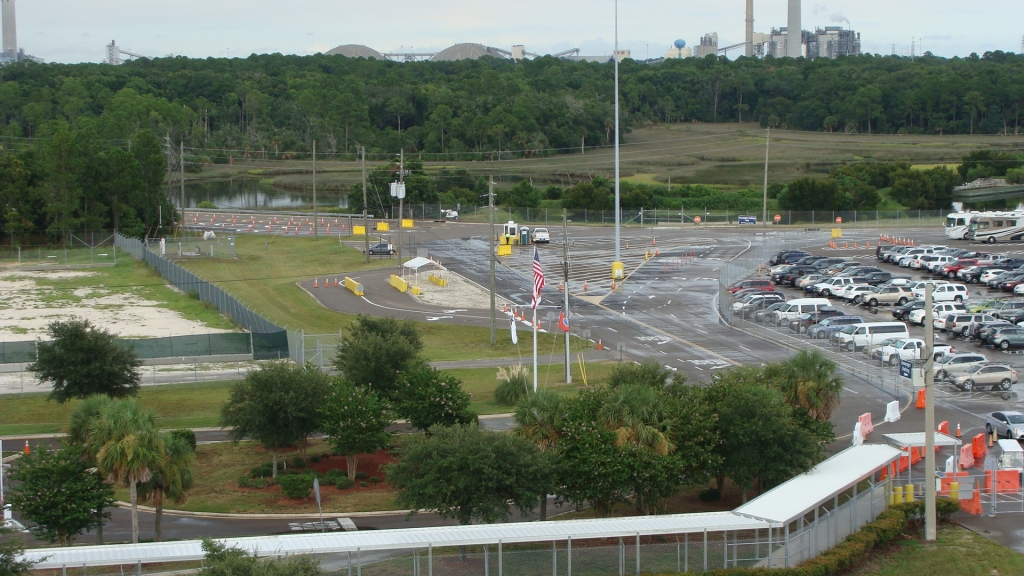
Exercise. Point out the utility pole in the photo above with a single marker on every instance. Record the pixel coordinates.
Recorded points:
(929, 420)
(490, 211)
(181, 169)
(565, 292)
(401, 200)
(315, 227)
(767, 143)
(366, 226)
(617, 265)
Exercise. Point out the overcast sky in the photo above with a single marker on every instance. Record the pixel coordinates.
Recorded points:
(77, 31)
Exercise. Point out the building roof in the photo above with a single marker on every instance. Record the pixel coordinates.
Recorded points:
(798, 496)
(334, 542)
(355, 51)
(911, 439)
(468, 51)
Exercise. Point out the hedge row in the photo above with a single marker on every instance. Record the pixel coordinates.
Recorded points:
(889, 525)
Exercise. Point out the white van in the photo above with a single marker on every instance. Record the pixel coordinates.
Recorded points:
(943, 292)
(794, 308)
(832, 285)
(860, 336)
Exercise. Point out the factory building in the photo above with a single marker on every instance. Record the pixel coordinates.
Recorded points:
(708, 45)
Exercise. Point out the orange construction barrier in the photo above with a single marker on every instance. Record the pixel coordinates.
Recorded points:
(1006, 481)
(904, 463)
(948, 479)
(973, 504)
(966, 456)
(865, 423)
(920, 399)
(944, 427)
(978, 446)
(915, 455)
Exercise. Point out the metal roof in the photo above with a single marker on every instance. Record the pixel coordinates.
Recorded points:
(355, 51)
(798, 496)
(319, 543)
(911, 439)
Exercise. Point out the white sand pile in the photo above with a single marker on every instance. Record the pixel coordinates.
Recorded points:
(460, 293)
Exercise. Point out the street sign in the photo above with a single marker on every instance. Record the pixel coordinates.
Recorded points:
(748, 219)
(839, 219)
(316, 490)
(778, 218)
(696, 219)
(906, 369)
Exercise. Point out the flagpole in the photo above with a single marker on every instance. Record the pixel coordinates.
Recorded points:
(535, 350)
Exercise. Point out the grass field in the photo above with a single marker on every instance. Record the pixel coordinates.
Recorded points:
(265, 275)
(728, 153)
(199, 405)
(956, 552)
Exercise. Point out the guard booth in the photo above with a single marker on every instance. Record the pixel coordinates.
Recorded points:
(509, 233)
(524, 235)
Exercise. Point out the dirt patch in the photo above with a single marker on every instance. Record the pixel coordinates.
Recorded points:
(26, 308)
(460, 293)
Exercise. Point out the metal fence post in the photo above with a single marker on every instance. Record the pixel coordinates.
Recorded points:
(637, 554)
(499, 562)
(568, 555)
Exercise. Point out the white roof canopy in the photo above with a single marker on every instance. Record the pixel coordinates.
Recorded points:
(334, 542)
(798, 496)
(418, 262)
(916, 439)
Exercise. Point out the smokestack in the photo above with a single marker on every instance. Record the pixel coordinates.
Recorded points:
(794, 30)
(10, 29)
(750, 28)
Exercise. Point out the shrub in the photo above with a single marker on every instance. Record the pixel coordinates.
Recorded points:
(515, 383)
(263, 471)
(188, 435)
(363, 484)
(246, 482)
(361, 475)
(375, 479)
(332, 475)
(325, 456)
(343, 482)
(295, 486)
(314, 458)
(297, 462)
(206, 205)
(710, 495)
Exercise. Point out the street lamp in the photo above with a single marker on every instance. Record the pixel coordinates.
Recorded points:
(617, 268)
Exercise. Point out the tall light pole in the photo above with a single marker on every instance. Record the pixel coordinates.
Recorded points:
(929, 420)
(565, 291)
(366, 227)
(401, 202)
(767, 143)
(315, 231)
(617, 272)
(490, 212)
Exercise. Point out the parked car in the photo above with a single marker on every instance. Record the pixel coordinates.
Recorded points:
(945, 293)
(903, 312)
(809, 319)
(748, 291)
(745, 284)
(910, 349)
(382, 248)
(792, 309)
(1008, 424)
(961, 323)
(826, 328)
(832, 285)
(950, 270)
(953, 364)
(982, 330)
(1010, 282)
(541, 236)
(760, 302)
(854, 292)
(1006, 338)
(1005, 307)
(990, 274)
(888, 295)
(795, 272)
(994, 376)
(808, 280)
(858, 336)
(779, 257)
(769, 312)
(941, 309)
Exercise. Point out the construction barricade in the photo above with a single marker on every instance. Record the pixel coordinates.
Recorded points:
(398, 283)
(355, 287)
(865, 423)
(978, 446)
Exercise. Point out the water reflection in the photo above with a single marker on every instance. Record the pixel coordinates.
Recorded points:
(251, 194)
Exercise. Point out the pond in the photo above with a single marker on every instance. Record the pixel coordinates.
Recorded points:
(251, 194)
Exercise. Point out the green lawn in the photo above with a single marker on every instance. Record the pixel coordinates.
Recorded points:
(264, 278)
(198, 405)
(957, 552)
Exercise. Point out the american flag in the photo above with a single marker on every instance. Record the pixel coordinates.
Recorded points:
(538, 278)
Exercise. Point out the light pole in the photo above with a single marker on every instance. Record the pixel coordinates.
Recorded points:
(617, 268)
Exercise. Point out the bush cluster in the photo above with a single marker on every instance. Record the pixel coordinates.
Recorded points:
(247, 482)
(296, 485)
(338, 478)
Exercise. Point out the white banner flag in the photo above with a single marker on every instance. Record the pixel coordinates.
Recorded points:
(515, 337)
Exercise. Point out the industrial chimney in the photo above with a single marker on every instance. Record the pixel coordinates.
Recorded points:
(10, 29)
(794, 31)
(750, 28)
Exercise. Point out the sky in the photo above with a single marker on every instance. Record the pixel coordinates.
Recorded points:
(74, 31)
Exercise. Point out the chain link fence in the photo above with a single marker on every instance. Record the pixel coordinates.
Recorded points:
(79, 249)
(268, 341)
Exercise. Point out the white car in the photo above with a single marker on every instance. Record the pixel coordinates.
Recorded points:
(855, 292)
(451, 215)
(990, 274)
(911, 349)
(832, 286)
(935, 263)
(1018, 289)
(809, 280)
(917, 316)
(908, 261)
(918, 287)
(541, 236)
(945, 293)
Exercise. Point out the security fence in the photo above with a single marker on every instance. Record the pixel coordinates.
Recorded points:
(190, 345)
(91, 248)
(267, 340)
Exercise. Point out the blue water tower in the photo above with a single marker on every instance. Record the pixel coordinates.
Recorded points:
(680, 44)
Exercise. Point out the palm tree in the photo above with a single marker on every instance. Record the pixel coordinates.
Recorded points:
(78, 429)
(809, 380)
(537, 418)
(128, 448)
(172, 478)
(639, 416)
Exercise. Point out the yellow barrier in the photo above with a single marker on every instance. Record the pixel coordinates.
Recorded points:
(407, 223)
(383, 227)
(438, 280)
(415, 290)
(505, 250)
(359, 230)
(354, 286)
(399, 284)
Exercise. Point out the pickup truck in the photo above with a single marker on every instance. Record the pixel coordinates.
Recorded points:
(541, 236)
(910, 349)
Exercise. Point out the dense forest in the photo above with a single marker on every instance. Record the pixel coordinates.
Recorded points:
(277, 105)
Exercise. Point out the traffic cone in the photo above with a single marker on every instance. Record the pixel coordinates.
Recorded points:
(316, 283)
(27, 449)
(958, 434)
(613, 284)
(504, 308)
(327, 283)
(654, 241)
(335, 282)
(560, 287)
(584, 286)
(657, 252)
(600, 346)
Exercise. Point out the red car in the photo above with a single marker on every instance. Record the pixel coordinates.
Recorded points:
(759, 284)
(950, 270)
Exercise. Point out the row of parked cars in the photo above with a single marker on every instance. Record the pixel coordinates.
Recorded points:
(827, 277)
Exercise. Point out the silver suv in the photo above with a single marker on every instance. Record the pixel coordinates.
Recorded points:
(994, 376)
(956, 364)
(898, 295)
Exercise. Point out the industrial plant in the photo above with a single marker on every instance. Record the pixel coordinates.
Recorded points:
(465, 51)
(11, 51)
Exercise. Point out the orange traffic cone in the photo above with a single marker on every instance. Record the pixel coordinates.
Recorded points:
(958, 434)
(600, 346)
(504, 308)
(584, 286)
(657, 252)
(613, 284)
(316, 283)
(27, 449)
(335, 282)
(560, 287)
(327, 282)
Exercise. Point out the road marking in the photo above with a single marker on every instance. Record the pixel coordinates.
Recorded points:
(849, 390)
(613, 329)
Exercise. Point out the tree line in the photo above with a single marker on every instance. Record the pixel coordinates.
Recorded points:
(267, 105)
